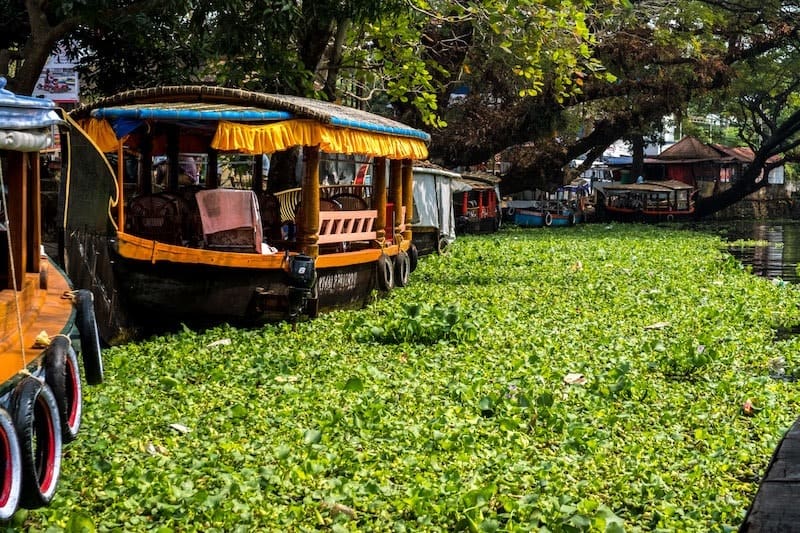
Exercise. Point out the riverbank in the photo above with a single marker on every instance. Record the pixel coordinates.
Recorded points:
(591, 377)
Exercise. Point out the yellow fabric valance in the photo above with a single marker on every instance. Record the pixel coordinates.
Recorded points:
(270, 138)
(101, 132)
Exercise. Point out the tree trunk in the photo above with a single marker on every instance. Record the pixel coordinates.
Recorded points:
(747, 184)
(335, 60)
(637, 165)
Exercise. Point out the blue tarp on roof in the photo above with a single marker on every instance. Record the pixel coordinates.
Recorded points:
(25, 112)
(618, 160)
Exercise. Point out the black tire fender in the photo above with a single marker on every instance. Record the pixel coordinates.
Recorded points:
(510, 211)
(402, 269)
(413, 255)
(90, 338)
(35, 414)
(63, 376)
(385, 273)
(571, 219)
(43, 273)
(11, 457)
(441, 246)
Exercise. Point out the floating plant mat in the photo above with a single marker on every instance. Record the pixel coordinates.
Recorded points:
(600, 378)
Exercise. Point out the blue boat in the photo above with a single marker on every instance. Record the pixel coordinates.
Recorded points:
(533, 217)
(544, 215)
(561, 215)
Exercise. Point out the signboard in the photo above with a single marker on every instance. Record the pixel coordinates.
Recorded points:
(58, 80)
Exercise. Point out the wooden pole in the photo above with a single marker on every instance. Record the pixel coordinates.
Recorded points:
(121, 185)
(308, 225)
(17, 206)
(173, 157)
(408, 196)
(379, 197)
(145, 177)
(35, 234)
(396, 195)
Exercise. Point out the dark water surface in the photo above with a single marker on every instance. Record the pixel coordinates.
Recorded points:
(778, 252)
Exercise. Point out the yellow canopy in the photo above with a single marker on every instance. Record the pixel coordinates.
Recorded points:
(269, 138)
(101, 132)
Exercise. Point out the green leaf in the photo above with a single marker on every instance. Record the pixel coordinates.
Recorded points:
(312, 436)
(354, 384)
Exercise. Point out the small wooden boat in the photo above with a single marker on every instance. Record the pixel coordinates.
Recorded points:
(649, 201)
(531, 216)
(434, 217)
(561, 214)
(545, 213)
(478, 210)
(40, 384)
(243, 253)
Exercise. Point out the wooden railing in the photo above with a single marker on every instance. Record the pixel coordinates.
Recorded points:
(347, 226)
(288, 200)
(291, 197)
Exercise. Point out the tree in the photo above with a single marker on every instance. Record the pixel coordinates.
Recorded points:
(665, 55)
(547, 81)
(764, 103)
(30, 30)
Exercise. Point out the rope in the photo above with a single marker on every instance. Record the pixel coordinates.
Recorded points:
(11, 262)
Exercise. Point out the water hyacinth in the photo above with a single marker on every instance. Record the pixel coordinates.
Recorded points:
(590, 379)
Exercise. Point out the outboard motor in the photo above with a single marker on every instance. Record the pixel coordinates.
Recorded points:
(302, 277)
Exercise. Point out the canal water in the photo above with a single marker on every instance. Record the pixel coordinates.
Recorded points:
(778, 250)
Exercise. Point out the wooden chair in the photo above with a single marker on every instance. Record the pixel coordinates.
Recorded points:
(158, 217)
(230, 219)
(350, 202)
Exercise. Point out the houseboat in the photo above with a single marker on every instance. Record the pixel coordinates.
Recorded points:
(646, 201)
(434, 219)
(193, 248)
(478, 210)
(40, 383)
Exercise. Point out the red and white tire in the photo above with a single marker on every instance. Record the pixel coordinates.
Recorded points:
(62, 374)
(11, 464)
(35, 414)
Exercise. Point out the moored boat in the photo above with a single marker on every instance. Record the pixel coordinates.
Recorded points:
(478, 209)
(545, 213)
(647, 201)
(203, 253)
(434, 218)
(40, 382)
(532, 216)
(561, 214)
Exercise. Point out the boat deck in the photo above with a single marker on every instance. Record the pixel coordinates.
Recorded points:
(774, 507)
(44, 310)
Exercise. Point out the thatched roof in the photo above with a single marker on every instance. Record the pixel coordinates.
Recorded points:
(203, 102)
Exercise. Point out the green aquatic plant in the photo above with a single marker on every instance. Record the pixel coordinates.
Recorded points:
(590, 379)
(419, 323)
